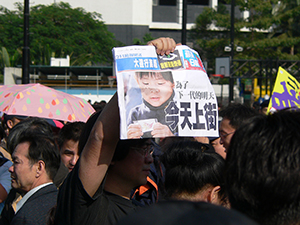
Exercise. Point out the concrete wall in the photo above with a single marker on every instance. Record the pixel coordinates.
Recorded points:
(12, 75)
(126, 33)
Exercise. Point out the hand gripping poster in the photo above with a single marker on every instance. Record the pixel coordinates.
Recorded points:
(162, 96)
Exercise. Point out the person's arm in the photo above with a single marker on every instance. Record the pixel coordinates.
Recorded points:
(100, 147)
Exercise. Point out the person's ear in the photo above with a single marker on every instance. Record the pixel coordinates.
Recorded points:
(213, 195)
(40, 168)
(10, 124)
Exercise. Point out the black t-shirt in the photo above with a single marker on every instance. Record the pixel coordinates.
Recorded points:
(75, 206)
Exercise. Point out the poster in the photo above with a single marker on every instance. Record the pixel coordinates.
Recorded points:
(162, 96)
(285, 93)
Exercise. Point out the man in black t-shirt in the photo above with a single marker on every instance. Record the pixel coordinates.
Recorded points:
(97, 190)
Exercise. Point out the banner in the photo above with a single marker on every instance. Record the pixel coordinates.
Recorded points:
(162, 96)
(285, 93)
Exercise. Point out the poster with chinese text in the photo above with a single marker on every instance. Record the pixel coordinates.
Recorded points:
(162, 96)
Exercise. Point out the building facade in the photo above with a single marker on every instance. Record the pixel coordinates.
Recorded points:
(132, 19)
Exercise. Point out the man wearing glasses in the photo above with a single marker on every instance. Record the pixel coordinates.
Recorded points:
(233, 116)
(98, 189)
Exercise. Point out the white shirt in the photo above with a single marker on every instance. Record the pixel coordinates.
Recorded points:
(28, 195)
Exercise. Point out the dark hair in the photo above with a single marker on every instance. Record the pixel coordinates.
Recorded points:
(70, 131)
(123, 147)
(165, 142)
(33, 124)
(237, 114)
(167, 75)
(185, 212)
(2, 133)
(191, 166)
(262, 168)
(42, 147)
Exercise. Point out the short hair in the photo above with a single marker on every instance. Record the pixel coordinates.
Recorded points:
(123, 147)
(190, 167)
(167, 75)
(2, 133)
(39, 125)
(262, 168)
(185, 212)
(70, 131)
(42, 147)
(237, 114)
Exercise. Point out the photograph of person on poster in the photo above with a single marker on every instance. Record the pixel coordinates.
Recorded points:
(148, 119)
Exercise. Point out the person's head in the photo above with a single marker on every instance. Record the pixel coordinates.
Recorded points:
(35, 161)
(102, 103)
(131, 161)
(36, 124)
(194, 172)
(256, 106)
(219, 148)
(156, 87)
(9, 121)
(215, 142)
(68, 139)
(262, 168)
(233, 116)
(264, 106)
(185, 212)
(2, 133)
(164, 142)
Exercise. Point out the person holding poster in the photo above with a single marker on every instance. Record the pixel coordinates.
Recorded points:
(98, 189)
(148, 119)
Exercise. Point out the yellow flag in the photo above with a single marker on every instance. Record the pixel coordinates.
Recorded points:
(285, 93)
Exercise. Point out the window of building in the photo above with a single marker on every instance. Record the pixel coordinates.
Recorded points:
(198, 2)
(168, 2)
(222, 2)
(155, 2)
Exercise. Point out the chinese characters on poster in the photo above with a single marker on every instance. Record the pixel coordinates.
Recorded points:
(163, 96)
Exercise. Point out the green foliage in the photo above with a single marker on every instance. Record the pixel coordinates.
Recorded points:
(5, 57)
(148, 37)
(272, 31)
(58, 30)
(6, 60)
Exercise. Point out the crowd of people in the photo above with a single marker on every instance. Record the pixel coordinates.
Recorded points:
(84, 174)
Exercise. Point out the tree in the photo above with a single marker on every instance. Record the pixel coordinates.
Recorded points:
(270, 32)
(209, 41)
(147, 37)
(58, 30)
